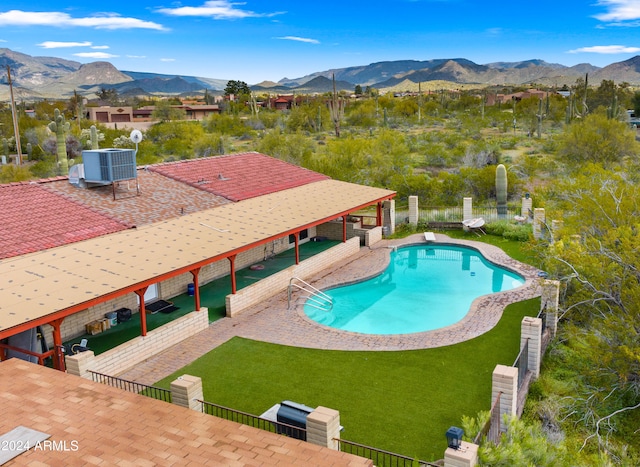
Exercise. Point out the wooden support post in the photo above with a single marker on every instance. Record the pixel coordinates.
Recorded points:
(58, 354)
(143, 313)
(296, 237)
(232, 273)
(196, 287)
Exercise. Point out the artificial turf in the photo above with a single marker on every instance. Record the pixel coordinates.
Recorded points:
(401, 401)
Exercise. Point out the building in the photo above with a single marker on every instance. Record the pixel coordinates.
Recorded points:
(68, 420)
(89, 248)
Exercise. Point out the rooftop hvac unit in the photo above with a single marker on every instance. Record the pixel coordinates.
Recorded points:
(109, 165)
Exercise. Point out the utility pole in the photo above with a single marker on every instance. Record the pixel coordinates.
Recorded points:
(15, 117)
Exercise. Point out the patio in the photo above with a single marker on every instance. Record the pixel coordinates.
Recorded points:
(212, 296)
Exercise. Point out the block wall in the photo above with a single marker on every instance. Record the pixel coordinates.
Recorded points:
(279, 282)
(129, 354)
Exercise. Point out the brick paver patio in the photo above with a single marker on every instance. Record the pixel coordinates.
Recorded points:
(272, 321)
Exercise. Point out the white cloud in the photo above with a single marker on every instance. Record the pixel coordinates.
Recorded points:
(167, 59)
(619, 11)
(606, 49)
(299, 39)
(57, 19)
(216, 9)
(99, 47)
(95, 55)
(61, 45)
(136, 56)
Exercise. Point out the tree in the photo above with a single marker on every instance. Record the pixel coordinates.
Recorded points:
(165, 112)
(358, 90)
(236, 88)
(108, 95)
(597, 139)
(595, 255)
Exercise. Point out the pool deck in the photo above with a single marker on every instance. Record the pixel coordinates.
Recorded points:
(272, 321)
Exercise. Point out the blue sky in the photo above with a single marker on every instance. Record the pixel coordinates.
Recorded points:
(254, 41)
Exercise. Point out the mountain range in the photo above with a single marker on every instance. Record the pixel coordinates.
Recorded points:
(51, 77)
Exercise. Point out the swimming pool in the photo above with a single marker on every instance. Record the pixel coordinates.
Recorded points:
(425, 287)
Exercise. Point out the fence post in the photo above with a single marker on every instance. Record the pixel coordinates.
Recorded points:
(549, 302)
(465, 456)
(389, 215)
(413, 210)
(531, 329)
(467, 208)
(186, 391)
(79, 364)
(538, 223)
(323, 428)
(505, 380)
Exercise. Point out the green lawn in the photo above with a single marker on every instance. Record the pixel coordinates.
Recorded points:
(402, 402)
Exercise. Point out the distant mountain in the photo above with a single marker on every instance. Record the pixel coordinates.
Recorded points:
(628, 71)
(50, 77)
(319, 85)
(525, 64)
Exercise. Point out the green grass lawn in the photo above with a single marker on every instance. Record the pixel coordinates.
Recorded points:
(402, 402)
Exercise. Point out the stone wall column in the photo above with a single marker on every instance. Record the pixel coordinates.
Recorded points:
(538, 223)
(323, 427)
(186, 391)
(531, 329)
(549, 302)
(389, 215)
(413, 211)
(527, 208)
(467, 208)
(504, 381)
(465, 456)
(79, 364)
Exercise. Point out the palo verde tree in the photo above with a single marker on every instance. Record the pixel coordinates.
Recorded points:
(596, 139)
(596, 258)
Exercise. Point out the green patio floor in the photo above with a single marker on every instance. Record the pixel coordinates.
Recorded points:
(212, 296)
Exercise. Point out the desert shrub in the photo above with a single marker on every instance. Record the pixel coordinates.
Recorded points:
(510, 230)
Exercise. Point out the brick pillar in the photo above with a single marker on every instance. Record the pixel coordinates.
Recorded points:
(531, 328)
(527, 208)
(538, 223)
(413, 210)
(79, 363)
(389, 215)
(466, 456)
(186, 391)
(549, 302)
(556, 226)
(467, 208)
(505, 380)
(323, 427)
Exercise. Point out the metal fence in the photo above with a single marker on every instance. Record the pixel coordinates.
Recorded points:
(379, 457)
(522, 363)
(455, 214)
(253, 420)
(131, 386)
(491, 430)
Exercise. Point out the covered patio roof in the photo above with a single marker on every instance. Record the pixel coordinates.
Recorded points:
(52, 284)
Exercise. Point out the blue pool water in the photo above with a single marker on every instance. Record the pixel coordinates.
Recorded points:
(425, 287)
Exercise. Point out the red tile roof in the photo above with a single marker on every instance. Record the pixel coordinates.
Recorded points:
(238, 176)
(35, 219)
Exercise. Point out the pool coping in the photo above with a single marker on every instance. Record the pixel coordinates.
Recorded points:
(484, 313)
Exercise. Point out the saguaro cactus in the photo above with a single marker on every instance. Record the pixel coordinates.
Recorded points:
(94, 137)
(60, 127)
(501, 190)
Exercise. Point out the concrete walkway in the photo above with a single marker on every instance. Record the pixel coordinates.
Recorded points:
(272, 321)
